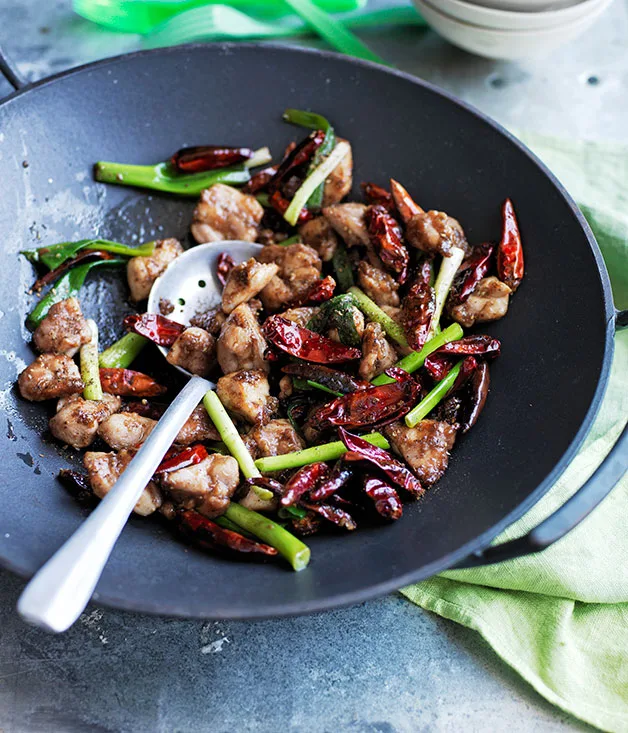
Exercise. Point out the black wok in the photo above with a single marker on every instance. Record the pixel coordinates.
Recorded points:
(547, 385)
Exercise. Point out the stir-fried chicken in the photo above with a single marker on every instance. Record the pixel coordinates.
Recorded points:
(125, 430)
(77, 420)
(197, 427)
(488, 302)
(319, 234)
(377, 353)
(300, 316)
(63, 330)
(348, 221)
(247, 394)
(299, 268)
(276, 438)
(142, 272)
(225, 213)
(211, 320)
(435, 232)
(339, 181)
(194, 350)
(425, 447)
(207, 487)
(241, 344)
(245, 281)
(104, 469)
(48, 377)
(378, 285)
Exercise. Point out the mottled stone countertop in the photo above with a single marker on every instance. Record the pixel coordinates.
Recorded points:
(382, 667)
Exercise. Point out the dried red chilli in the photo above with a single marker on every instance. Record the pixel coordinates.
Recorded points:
(260, 180)
(305, 344)
(404, 203)
(129, 383)
(396, 471)
(190, 456)
(334, 514)
(467, 368)
(158, 329)
(144, 409)
(475, 399)
(385, 498)
(200, 158)
(208, 534)
(321, 291)
(77, 484)
(339, 475)
(418, 308)
(439, 362)
(280, 203)
(333, 379)
(85, 255)
(473, 269)
(224, 264)
(265, 482)
(385, 236)
(374, 406)
(304, 480)
(510, 266)
(298, 156)
(375, 194)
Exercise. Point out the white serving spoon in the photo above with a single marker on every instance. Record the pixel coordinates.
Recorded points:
(60, 590)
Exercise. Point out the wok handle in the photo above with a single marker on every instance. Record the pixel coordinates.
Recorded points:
(570, 514)
(61, 589)
(10, 72)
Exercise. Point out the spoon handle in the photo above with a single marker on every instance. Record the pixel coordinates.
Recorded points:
(61, 589)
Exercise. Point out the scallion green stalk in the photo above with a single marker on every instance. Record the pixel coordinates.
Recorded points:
(374, 313)
(429, 402)
(122, 353)
(90, 372)
(446, 274)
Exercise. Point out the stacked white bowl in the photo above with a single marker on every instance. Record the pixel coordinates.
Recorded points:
(510, 29)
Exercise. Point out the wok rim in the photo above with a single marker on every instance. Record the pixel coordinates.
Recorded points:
(482, 541)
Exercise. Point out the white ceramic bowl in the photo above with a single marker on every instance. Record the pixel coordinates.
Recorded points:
(511, 20)
(505, 44)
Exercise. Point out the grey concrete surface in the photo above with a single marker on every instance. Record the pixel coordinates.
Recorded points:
(382, 667)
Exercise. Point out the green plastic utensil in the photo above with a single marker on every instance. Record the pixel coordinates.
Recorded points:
(223, 22)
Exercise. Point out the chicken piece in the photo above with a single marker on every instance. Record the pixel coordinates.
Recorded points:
(299, 268)
(488, 302)
(194, 350)
(425, 447)
(63, 330)
(245, 281)
(125, 430)
(141, 272)
(207, 487)
(241, 344)
(318, 234)
(247, 394)
(348, 221)
(276, 438)
(104, 469)
(300, 316)
(378, 285)
(286, 387)
(77, 420)
(211, 320)
(435, 232)
(48, 377)
(225, 213)
(377, 353)
(338, 183)
(197, 428)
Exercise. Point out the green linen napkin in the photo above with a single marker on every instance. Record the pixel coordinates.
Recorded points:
(560, 618)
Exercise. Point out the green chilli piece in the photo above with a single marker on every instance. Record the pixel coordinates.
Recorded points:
(90, 372)
(122, 353)
(324, 452)
(232, 439)
(56, 254)
(66, 286)
(429, 402)
(374, 313)
(416, 359)
(338, 313)
(342, 268)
